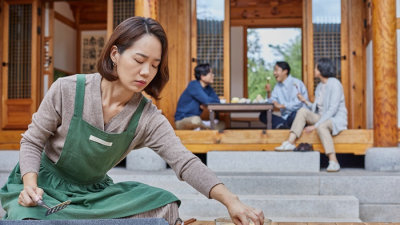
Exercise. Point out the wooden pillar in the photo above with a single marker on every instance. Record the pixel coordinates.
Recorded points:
(146, 8)
(385, 73)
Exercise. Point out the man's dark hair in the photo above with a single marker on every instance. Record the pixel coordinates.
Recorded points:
(201, 69)
(326, 67)
(284, 66)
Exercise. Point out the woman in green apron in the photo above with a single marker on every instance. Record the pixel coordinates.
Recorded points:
(86, 124)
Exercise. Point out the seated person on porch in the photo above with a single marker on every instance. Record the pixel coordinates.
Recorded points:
(328, 114)
(284, 97)
(86, 124)
(194, 100)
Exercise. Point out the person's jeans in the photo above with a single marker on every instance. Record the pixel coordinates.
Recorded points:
(277, 121)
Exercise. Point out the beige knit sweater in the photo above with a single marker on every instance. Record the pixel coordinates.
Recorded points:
(50, 124)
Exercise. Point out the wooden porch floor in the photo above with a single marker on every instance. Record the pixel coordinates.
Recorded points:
(294, 223)
(349, 141)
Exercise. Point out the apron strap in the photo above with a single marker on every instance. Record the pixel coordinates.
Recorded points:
(79, 94)
(136, 116)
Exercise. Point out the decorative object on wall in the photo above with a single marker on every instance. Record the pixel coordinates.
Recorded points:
(92, 45)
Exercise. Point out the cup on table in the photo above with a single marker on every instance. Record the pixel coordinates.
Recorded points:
(222, 101)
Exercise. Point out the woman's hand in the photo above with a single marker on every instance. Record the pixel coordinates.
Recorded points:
(31, 192)
(301, 97)
(310, 129)
(29, 196)
(239, 212)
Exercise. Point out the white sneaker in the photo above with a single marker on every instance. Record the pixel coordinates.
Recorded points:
(286, 146)
(333, 167)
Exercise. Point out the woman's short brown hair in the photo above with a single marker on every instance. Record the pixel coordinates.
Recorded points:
(124, 36)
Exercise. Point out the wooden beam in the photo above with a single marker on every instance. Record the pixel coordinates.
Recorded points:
(78, 40)
(356, 71)
(193, 42)
(99, 26)
(110, 19)
(175, 18)
(245, 61)
(397, 23)
(348, 141)
(64, 20)
(345, 61)
(267, 137)
(272, 22)
(146, 8)
(308, 49)
(385, 73)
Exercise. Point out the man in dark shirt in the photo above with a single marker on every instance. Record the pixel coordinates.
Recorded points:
(197, 95)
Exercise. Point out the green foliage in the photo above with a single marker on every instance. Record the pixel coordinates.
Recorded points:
(291, 53)
(258, 70)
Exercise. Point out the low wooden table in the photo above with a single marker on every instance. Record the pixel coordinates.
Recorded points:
(240, 107)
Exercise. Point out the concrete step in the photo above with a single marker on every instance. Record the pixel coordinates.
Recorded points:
(292, 219)
(273, 206)
(8, 159)
(368, 187)
(265, 161)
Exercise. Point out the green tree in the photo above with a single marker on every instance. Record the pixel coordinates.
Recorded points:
(291, 53)
(258, 70)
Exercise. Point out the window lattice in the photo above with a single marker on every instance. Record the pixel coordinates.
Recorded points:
(123, 9)
(19, 51)
(210, 49)
(327, 44)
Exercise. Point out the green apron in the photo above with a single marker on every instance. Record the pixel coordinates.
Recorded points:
(80, 175)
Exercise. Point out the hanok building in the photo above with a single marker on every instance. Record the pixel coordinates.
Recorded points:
(44, 39)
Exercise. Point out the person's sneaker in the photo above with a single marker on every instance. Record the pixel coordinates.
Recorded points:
(286, 146)
(333, 167)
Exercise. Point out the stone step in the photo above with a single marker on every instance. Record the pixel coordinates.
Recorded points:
(292, 219)
(273, 206)
(368, 187)
(265, 161)
(8, 159)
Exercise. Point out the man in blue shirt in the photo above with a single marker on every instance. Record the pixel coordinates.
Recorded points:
(284, 97)
(195, 98)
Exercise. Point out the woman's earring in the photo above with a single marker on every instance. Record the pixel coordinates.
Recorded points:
(114, 64)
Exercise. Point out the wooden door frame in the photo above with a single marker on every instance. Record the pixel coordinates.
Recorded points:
(31, 103)
(227, 43)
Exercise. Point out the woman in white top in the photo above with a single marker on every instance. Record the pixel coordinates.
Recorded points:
(328, 114)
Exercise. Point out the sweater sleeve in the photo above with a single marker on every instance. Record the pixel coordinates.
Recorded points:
(198, 93)
(161, 138)
(334, 96)
(44, 124)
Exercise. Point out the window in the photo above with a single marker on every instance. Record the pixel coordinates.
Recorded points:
(265, 47)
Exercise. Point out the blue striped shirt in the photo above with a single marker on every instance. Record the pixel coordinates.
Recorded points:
(286, 94)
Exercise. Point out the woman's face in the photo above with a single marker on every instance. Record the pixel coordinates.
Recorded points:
(138, 65)
(317, 73)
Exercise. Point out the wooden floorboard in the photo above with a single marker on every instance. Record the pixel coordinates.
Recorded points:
(301, 223)
(349, 141)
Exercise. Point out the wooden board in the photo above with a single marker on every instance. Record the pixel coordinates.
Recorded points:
(349, 141)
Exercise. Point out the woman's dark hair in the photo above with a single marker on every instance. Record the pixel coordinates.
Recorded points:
(326, 67)
(284, 66)
(201, 69)
(124, 36)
